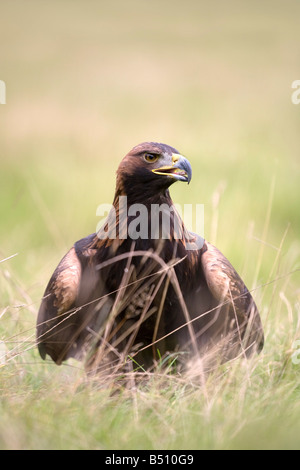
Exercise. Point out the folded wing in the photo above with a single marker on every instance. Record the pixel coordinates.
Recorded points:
(237, 311)
(70, 305)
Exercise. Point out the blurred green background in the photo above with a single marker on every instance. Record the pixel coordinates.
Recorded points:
(88, 80)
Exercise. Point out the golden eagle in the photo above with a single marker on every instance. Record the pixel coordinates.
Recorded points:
(143, 288)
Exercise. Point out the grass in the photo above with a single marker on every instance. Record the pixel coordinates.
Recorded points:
(83, 86)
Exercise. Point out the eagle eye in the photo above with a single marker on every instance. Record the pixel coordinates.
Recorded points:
(150, 157)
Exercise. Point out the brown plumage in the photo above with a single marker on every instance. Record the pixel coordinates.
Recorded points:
(146, 292)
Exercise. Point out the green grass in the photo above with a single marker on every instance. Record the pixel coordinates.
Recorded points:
(84, 85)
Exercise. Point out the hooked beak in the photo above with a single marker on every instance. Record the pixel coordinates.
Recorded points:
(180, 170)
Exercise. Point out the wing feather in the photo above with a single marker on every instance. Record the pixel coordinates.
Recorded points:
(66, 281)
(228, 288)
(67, 310)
